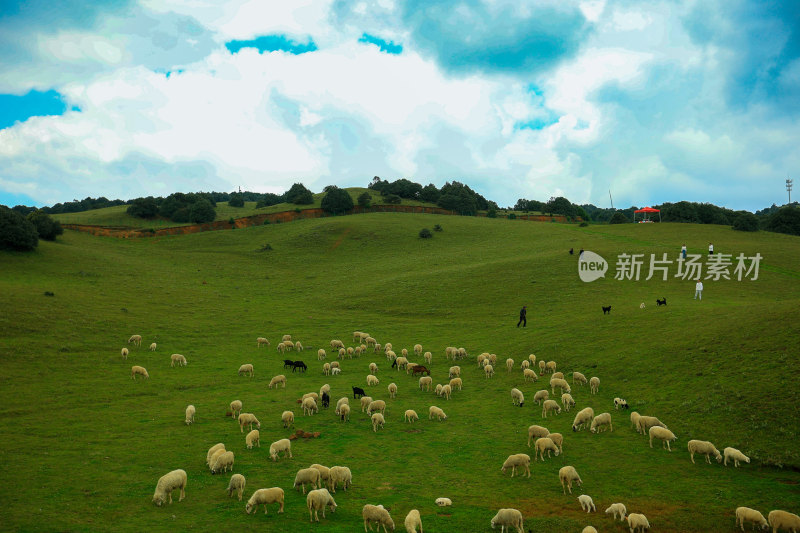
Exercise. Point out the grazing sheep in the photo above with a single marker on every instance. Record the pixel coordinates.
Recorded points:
(536, 432)
(286, 337)
(324, 473)
(298, 346)
(307, 475)
(544, 444)
(462, 353)
(567, 475)
(417, 350)
(153, 346)
(404, 353)
(413, 521)
(662, 434)
(517, 460)
(567, 401)
(124, 353)
(410, 367)
(236, 408)
(248, 419)
(517, 398)
(376, 514)
(425, 383)
(335, 343)
(370, 341)
(532, 359)
(437, 412)
(450, 351)
(525, 365)
(455, 372)
(344, 412)
(237, 483)
(190, 410)
(455, 383)
(558, 382)
(287, 418)
(280, 378)
(529, 375)
(392, 390)
(587, 504)
(169, 482)
(601, 421)
(319, 499)
(372, 380)
(342, 353)
(376, 406)
(321, 354)
(341, 475)
(550, 367)
(325, 388)
(310, 406)
(387, 347)
(350, 352)
(264, 497)
(280, 347)
(580, 378)
(646, 422)
(428, 357)
(246, 369)
(261, 341)
(222, 462)
(493, 359)
(335, 365)
(635, 416)
(438, 389)
(390, 355)
(584, 416)
(745, 514)
(377, 421)
(356, 336)
(326, 369)
(703, 447)
(617, 509)
(177, 359)
(137, 341)
(443, 502)
(550, 405)
(252, 439)
(446, 391)
(214, 457)
(342, 401)
(638, 521)
(509, 364)
(558, 440)
(735, 455)
(410, 416)
(489, 371)
(619, 403)
(542, 366)
(365, 401)
(139, 371)
(541, 396)
(589, 529)
(312, 395)
(594, 384)
(508, 518)
(784, 520)
(213, 450)
(559, 375)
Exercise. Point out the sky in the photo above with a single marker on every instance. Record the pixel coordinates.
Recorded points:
(654, 101)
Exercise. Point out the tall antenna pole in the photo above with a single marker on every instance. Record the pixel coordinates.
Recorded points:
(610, 198)
(789, 188)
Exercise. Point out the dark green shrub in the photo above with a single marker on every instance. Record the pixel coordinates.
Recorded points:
(492, 213)
(425, 233)
(202, 211)
(47, 228)
(784, 220)
(143, 208)
(232, 222)
(392, 199)
(16, 231)
(512, 216)
(236, 200)
(365, 199)
(746, 222)
(618, 218)
(337, 200)
(298, 194)
(583, 224)
(437, 227)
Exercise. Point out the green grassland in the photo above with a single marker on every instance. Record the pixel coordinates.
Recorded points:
(83, 444)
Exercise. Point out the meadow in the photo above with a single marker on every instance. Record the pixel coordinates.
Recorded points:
(83, 444)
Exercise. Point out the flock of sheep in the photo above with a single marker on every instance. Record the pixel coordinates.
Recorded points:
(323, 480)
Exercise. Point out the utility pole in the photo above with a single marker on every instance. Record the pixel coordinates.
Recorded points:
(789, 188)
(610, 198)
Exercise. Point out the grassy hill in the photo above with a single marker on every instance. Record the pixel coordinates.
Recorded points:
(84, 445)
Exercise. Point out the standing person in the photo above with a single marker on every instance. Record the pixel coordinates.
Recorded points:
(698, 290)
(683, 251)
(710, 249)
(523, 313)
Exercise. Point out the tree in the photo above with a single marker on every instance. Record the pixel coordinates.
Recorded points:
(16, 231)
(337, 200)
(561, 206)
(425, 233)
(202, 211)
(268, 199)
(392, 199)
(365, 199)
(618, 218)
(298, 194)
(430, 193)
(784, 220)
(143, 207)
(746, 222)
(47, 228)
(236, 200)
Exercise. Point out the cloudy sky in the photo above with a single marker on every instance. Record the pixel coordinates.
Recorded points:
(655, 100)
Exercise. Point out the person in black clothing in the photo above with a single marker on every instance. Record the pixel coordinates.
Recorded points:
(523, 316)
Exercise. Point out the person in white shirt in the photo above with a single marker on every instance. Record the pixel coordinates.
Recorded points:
(710, 249)
(698, 290)
(683, 251)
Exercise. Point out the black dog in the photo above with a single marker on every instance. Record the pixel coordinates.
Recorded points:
(326, 400)
(358, 392)
(662, 301)
(606, 310)
(299, 364)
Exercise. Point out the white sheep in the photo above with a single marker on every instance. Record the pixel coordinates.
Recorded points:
(559, 375)
(190, 410)
(620, 403)
(529, 375)
(638, 521)
(508, 518)
(784, 520)
(392, 390)
(703, 447)
(124, 352)
(536, 432)
(443, 502)
(532, 359)
(428, 357)
(617, 509)
(169, 482)
(517, 398)
(246, 369)
(287, 417)
(261, 341)
(326, 369)
(425, 383)
(390, 355)
(321, 354)
(277, 380)
(594, 384)
(550, 367)
(438, 389)
(236, 408)
(446, 391)
(509, 364)
(417, 350)
(335, 343)
(567, 475)
(542, 366)
(344, 412)
(567, 401)
(635, 416)
(298, 346)
(342, 352)
(177, 359)
(324, 475)
(222, 462)
(488, 370)
(455, 372)
(662, 434)
(550, 406)
(310, 476)
(137, 370)
(558, 382)
(545, 444)
(580, 378)
(449, 352)
(213, 450)
(253, 439)
(342, 401)
(136, 340)
(558, 440)
(319, 499)
(541, 396)
(310, 406)
(589, 529)
(746, 514)
(387, 347)
(517, 460)
(286, 337)
(601, 421)
(583, 417)
(335, 371)
(376, 514)
(587, 504)
(377, 421)
(370, 341)
(735, 455)
(644, 423)
(455, 383)
(410, 416)
(437, 412)
(248, 419)
(413, 521)
(376, 406)
(264, 497)
(214, 457)
(365, 401)
(377, 348)
(525, 365)
(410, 367)
(325, 388)
(373, 368)
(372, 380)
(461, 353)
(153, 346)
(237, 483)
(341, 475)
(404, 353)
(356, 336)
(283, 445)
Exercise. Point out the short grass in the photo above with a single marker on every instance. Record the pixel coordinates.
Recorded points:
(83, 445)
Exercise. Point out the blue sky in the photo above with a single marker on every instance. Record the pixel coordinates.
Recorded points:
(657, 101)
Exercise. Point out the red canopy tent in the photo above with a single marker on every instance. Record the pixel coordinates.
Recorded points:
(645, 211)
